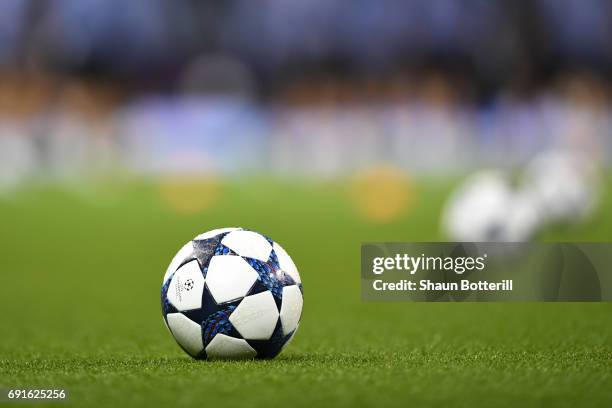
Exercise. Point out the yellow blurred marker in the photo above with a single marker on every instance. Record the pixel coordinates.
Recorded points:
(189, 195)
(382, 194)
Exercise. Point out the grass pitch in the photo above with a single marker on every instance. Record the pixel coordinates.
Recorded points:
(80, 302)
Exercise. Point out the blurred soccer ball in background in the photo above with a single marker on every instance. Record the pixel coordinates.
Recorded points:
(232, 293)
(556, 187)
(564, 186)
(485, 208)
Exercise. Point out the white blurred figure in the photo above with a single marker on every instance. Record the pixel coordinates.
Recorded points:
(22, 101)
(80, 136)
(485, 208)
(211, 126)
(17, 157)
(564, 186)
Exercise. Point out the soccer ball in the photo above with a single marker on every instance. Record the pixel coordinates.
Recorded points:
(485, 208)
(232, 293)
(564, 185)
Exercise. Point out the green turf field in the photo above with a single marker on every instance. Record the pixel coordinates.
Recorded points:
(80, 302)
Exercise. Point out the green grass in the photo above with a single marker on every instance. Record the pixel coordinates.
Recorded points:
(80, 303)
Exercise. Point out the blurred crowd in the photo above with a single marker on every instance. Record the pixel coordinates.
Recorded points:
(314, 88)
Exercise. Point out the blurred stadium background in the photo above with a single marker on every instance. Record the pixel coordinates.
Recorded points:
(128, 127)
(309, 88)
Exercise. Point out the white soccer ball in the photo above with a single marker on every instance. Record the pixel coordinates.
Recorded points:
(485, 208)
(564, 185)
(232, 293)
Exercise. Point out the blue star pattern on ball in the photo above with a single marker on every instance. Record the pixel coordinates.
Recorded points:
(223, 250)
(271, 275)
(165, 303)
(217, 322)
